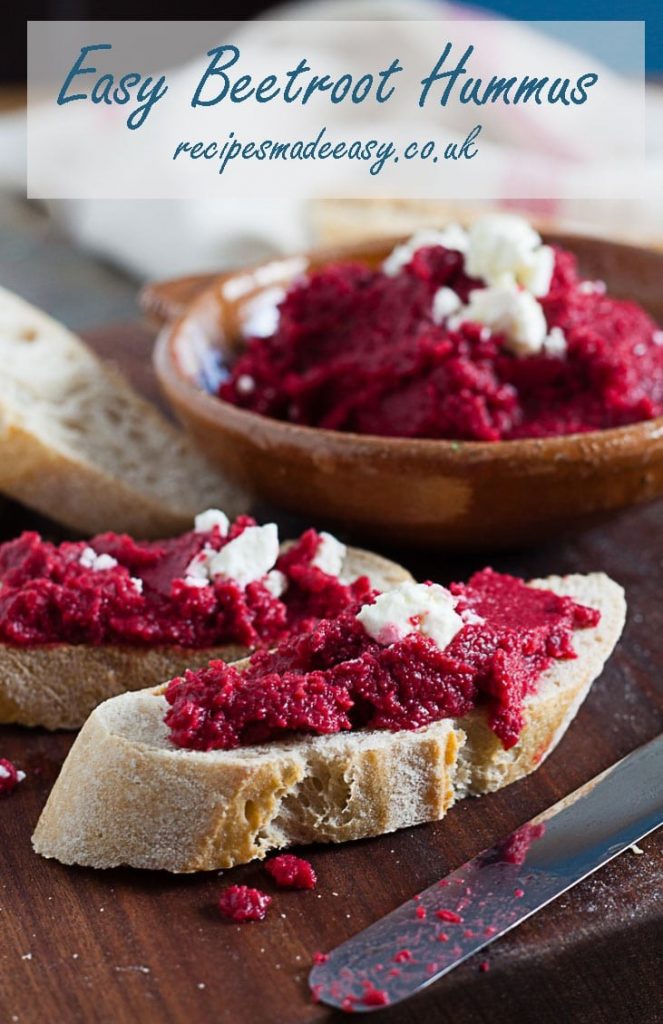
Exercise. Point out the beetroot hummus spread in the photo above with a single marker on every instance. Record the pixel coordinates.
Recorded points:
(358, 671)
(498, 341)
(201, 589)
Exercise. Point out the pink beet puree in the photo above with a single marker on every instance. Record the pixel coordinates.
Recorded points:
(336, 677)
(291, 872)
(358, 350)
(10, 777)
(241, 903)
(48, 596)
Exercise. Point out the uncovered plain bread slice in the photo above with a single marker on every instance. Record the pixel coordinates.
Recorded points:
(57, 685)
(80, 446)
(127, 796)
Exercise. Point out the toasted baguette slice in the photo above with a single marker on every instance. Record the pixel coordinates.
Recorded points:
(57, 685)
(127, 796)
(80, 446)
(484, 764)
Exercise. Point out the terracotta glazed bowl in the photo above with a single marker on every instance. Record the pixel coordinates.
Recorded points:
(423, 492)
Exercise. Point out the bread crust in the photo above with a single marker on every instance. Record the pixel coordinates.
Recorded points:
(57, 685)
(82, 447)
(87, 499)
(126, 796)
(485, 765)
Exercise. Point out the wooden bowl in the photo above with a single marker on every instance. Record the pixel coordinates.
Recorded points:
(424, 492)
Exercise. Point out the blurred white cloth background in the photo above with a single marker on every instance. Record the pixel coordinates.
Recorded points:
(158, 238)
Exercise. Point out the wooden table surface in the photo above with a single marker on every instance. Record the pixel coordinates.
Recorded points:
(118, 947)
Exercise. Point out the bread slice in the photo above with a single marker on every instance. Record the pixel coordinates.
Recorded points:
(127, 796)
(57, 685)
(348, 221)
(484, 764)
(80, 446)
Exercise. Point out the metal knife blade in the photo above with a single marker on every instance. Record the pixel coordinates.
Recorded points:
(445, 924)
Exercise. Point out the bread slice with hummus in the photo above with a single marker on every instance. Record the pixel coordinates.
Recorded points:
(57, 684)
(80, 446)
(127, 795)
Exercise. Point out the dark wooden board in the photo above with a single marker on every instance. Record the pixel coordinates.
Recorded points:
(117, 947)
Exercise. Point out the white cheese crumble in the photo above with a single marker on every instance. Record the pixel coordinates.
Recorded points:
(470, 618)
(592, 287)
(5, 773)
(196, 573)
(245, 559)
(536, 274)
(504, 247)
(137, 584)
(206, 521)
(453, 236)
(276, 582)
(330, 556)
(412, 608)
(445, 302)
(196, 581)
(245, 384)
(505, 252)
(555, 342)
(510, 311)
(89, 559)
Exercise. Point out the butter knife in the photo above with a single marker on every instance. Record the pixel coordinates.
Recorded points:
(453, 919)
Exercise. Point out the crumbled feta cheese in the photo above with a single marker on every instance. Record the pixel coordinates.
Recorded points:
(535, 274)
(470, 618)
(196, 581)
(89, 559)
(504, 248)
(555, 342)
(409, 608)
(510, 311)
(592, 287)
(105, 562)
(248, 557)
(4, 774)
(137, 584)
(453, 236)
(245, 384)
(445, 302)
(276, 582)
(206, 521)
(330, 556)
(198, 567)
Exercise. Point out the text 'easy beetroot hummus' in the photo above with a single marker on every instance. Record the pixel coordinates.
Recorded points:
(415, 654)
(485, 334)
(221, 583)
